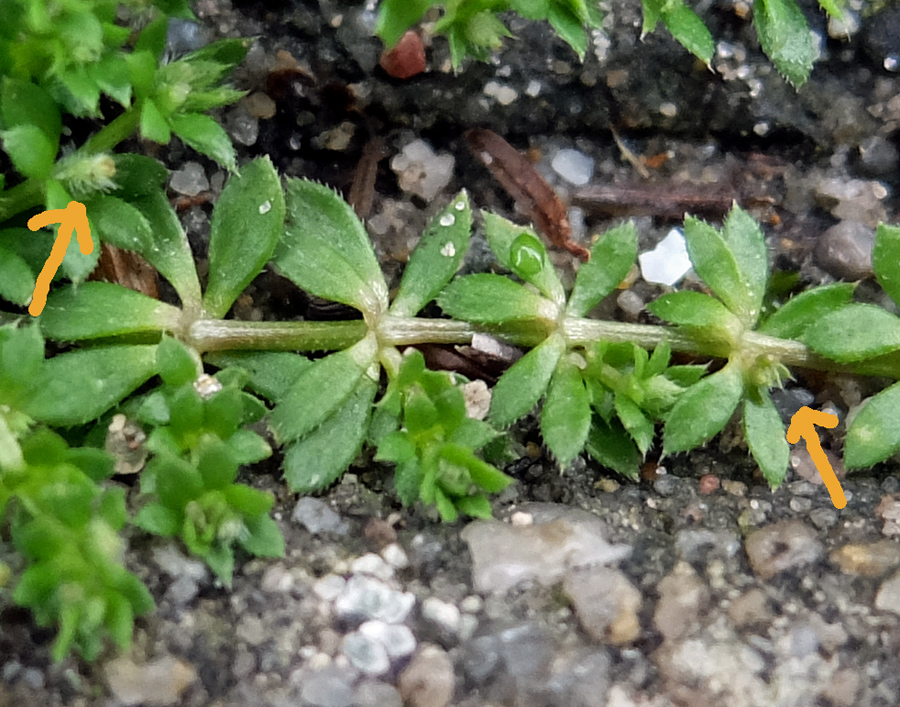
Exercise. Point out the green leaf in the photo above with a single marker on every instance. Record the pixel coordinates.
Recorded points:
(319, 458)
(119, 620)
(31, 246)
(137, 175)
(397, 16)
(397, 447)
(271, 372)
(177, 365)
(569, 27)
(695, 310)
(157, 519)
(246, 224)
(31, 151)
(248, 501)
(113, 76)
(854, 332)
(75, 388)
(493, 299)
(25, 103)
(612, 257)
(206, 136)
(17, 280)
(523, 384)
(21, 358)
(483, 474)
(247, 447)
(320, 390)
(325, 249)
(566, 414)
(638, 425)
(153, 124)
(792, 319)
(119, 223)
(746, 241)
(472, 433)
(715, 257)
(653, 12)
(531, 9)
(264, 539)
(765, 435)
(611, 446)
(659, 360)
(703, 410)
(874, 433)
(834, 8)
(445, 506)
(170, 253)
(97, 309)
(476, 506)
(436, 258)
(220, 559)
(213, 459)
(689, 31)
(886, 259)
(785, 38)
(229, 52)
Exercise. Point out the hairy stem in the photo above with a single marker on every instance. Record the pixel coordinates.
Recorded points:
(221, 335)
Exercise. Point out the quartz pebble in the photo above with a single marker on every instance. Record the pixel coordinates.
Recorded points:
(368, 598)
(606, 604)
(374, 693)
(504, 555)
(668, 262)
(574, 166)
(328, 687)
(853, 200)
(190, 180)
(422, 172)
(888, 597)
(317, 517)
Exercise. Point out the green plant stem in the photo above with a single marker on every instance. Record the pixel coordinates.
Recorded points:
(222, 335)
(121, 128)
(21, 197)
(228, 334)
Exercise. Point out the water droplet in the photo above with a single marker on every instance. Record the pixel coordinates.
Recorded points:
(460, 205)
(447, 219)
(265, 207)
(526, 255)
(449, 250)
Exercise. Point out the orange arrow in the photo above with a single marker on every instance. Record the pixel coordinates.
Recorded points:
(803, 425)
(71, 218)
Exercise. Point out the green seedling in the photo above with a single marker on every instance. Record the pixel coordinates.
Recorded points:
(474, 28)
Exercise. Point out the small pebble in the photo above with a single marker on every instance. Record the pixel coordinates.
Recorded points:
(428, 681)
(574, 166)
(406, 59)
(709, 483)
(868, 560)
(782, 546)
(845, 250)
